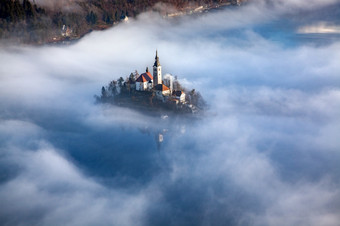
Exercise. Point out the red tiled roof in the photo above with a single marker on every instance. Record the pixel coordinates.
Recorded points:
(161, 87)
(145, 77)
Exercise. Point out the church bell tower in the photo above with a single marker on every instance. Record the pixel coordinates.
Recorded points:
(157, 71)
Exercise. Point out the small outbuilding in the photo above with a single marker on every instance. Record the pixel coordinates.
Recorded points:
(162, 91)
(179, 95)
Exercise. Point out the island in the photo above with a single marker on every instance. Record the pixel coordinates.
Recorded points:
(152, 92)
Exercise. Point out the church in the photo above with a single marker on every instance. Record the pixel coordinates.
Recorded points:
(163, 89)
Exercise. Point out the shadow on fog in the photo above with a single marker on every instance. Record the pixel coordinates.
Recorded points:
(125, 155)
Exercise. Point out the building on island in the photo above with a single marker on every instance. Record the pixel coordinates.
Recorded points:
(169, 81)
(162, 92)
(179, 95)
(163, 89)
(144, 81)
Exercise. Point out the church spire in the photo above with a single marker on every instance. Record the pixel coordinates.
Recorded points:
(156, 64)
(157, 71)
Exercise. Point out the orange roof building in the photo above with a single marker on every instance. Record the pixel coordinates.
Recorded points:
(145, 81)
(162, 91)
(161, 87)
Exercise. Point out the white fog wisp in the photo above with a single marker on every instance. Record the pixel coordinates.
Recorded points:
(266, 152)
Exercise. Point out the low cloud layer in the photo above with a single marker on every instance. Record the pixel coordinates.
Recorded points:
(265, 153)
(320, 28)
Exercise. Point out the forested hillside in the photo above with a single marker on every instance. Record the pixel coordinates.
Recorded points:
(28, 22)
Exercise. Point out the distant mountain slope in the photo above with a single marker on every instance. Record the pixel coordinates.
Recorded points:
(51, 21)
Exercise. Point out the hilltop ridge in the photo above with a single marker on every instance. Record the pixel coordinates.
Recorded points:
(32, 22)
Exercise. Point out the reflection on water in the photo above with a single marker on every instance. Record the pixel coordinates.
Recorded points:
(165, 127)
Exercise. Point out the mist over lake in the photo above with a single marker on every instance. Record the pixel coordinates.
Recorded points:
(266, 151)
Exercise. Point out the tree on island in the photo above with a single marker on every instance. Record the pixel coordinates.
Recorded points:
(196, 99)
(120, 81)
(132, 77)
(136, 75)
(104, 95)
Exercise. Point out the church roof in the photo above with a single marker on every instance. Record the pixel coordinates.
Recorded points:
(161, 87)
(145, 77)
